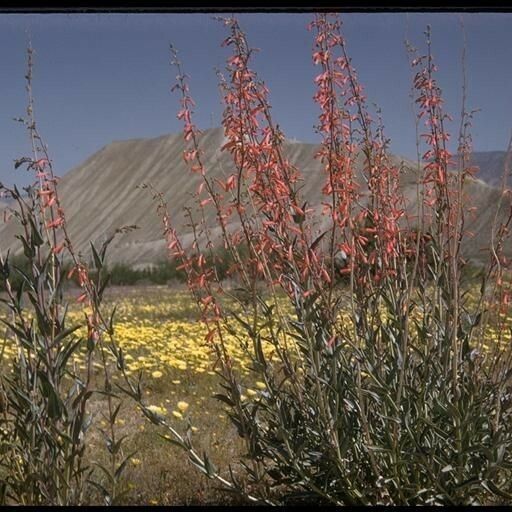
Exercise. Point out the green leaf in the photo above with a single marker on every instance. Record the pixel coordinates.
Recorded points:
(115, 447)
(121, 466)
(37, 240)
(209, 466)
(55, 405)
(496, 490)
(28, 250)
(106, 472)
(225, 399)
(97, 260)
(175, 442)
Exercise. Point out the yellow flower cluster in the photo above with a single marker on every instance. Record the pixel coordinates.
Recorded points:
(159, 333)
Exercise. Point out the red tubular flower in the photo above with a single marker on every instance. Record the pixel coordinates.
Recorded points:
(347, 130)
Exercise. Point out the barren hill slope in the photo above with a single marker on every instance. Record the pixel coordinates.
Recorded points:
(102, 194)
(491, 165)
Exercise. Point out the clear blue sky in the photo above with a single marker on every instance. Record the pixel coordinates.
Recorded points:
(104, 77)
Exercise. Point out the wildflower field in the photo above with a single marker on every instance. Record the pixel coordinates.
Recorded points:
(158, 328)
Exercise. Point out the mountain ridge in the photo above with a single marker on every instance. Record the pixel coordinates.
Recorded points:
(103, 193)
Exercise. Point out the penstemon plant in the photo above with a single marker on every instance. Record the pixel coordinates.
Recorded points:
(45, 418)
(375, 385)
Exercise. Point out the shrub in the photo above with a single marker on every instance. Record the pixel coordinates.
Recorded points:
(385, 390)
(45, 420)
(165, 272)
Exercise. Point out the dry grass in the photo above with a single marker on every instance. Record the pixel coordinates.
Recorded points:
(160, 473)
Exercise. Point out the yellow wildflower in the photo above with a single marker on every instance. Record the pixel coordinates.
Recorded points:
(157, 410)
(182, 406)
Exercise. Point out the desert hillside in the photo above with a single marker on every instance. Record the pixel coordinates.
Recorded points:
(103, 194)
(491, 165)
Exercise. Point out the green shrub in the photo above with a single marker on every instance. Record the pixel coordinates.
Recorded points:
(386, 389)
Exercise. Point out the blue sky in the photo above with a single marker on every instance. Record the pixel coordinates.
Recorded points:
(104, 77)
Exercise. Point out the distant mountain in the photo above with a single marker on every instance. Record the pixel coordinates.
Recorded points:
(491, 165)
(102, 194)
(3, 205)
